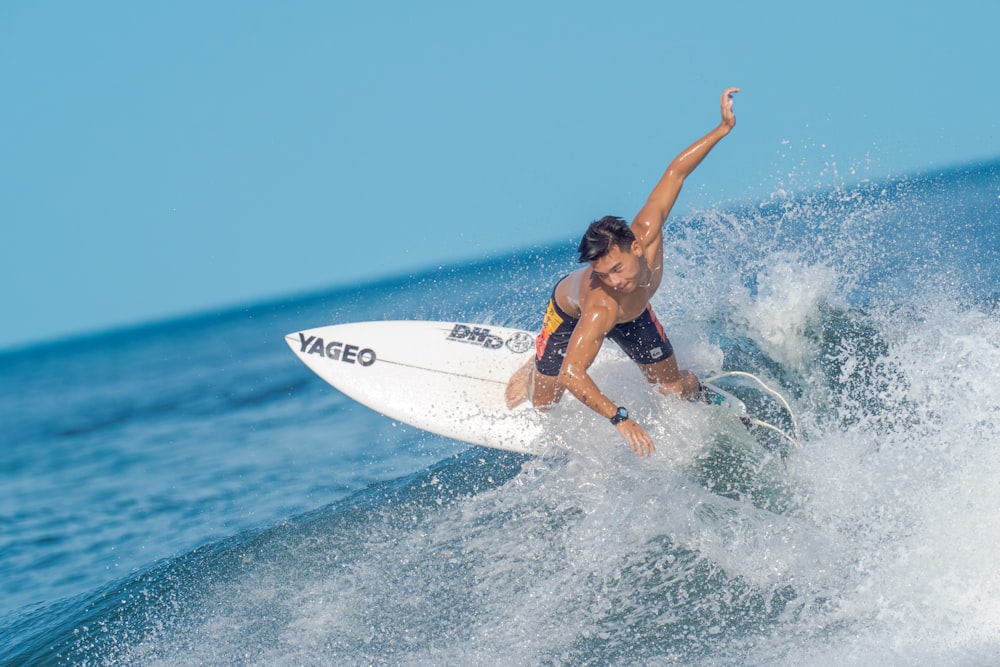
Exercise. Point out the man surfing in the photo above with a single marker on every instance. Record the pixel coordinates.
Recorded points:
(609, 298)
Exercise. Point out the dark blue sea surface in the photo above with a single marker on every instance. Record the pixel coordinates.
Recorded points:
(188, 493)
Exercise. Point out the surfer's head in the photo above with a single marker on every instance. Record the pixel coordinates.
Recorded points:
(613, 253)
(603, 235)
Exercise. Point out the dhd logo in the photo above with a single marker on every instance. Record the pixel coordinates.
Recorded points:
(463, 333)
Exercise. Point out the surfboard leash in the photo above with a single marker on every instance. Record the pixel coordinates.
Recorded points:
(776, 395)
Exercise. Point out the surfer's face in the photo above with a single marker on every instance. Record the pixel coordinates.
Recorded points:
(619, 269)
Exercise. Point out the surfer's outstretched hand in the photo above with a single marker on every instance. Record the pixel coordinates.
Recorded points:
(728, 116)
(637, 438)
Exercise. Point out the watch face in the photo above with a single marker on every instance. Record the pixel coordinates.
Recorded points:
(620, 416)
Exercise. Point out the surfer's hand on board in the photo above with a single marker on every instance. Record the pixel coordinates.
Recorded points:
(637, 438)
(728, 115)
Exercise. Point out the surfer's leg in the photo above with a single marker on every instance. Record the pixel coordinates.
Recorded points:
(645, 342)
(669, 380)
(544, 390)
(528, 384)
(517, 387)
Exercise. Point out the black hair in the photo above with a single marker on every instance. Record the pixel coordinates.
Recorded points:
(602, 235)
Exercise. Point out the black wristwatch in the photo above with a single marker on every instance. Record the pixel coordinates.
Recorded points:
(619, 416)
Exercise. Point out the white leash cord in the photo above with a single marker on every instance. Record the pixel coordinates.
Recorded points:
(779, 397)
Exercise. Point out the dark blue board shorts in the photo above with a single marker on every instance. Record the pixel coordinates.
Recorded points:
(642, 339)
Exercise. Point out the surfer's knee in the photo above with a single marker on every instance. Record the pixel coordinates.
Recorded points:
(689, 384)
(518, 387)
(544, 391)
(686, 386)
(673, 389)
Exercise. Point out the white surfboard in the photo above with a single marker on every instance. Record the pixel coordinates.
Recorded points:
(444, 377)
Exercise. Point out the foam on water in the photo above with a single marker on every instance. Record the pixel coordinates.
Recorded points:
(872, 543)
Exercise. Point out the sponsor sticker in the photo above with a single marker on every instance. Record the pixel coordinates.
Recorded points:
(520, 342)
(481, 336)
(337, 351)
(484, 337)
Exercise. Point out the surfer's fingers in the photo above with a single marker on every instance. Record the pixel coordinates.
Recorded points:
(639, 441)
(644, 444)
(632, 439)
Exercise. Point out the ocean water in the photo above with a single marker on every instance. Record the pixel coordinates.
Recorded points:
(188, 493)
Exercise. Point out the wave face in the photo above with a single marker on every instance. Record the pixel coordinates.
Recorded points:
(186, 493)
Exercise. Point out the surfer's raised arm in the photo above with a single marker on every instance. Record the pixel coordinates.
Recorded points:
(648, 224)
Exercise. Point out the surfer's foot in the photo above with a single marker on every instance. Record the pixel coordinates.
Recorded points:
(517, 388)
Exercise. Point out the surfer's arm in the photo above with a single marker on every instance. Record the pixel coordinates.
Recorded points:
(647, 225)
(588, 336)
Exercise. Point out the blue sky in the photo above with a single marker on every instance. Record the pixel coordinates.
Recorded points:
(162, 158)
